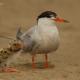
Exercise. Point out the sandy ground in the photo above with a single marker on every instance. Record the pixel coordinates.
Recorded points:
(65, 62)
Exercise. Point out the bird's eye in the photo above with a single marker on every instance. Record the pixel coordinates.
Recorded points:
(51, 15)
(15, 44)
(5, 51)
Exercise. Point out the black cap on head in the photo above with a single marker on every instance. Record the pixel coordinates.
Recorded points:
(47, 14)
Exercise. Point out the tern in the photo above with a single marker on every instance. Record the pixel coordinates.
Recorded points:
(42, 38)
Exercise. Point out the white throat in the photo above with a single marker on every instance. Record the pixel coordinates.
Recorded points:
(47, 26)
(46, 22)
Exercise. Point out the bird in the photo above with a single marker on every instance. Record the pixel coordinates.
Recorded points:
(43, 37)
(6, 55)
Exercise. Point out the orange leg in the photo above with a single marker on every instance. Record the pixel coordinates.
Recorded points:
(46, 61)
(33, 61)
(9, 69)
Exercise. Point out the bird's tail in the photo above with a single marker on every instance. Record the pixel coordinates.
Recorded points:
(19, 33)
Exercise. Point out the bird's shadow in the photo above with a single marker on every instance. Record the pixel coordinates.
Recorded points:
(39, 65)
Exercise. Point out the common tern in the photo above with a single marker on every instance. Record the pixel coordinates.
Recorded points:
(42, 38)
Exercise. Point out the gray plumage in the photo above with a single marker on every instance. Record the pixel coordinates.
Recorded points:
(42, 38)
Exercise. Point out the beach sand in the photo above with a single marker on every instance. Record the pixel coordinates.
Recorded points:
(64, 64)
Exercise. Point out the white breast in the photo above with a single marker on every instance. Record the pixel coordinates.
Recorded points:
(46, 34)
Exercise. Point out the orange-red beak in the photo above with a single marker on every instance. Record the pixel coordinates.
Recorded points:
(60, 20)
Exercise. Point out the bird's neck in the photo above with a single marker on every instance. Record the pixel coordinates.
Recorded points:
(46, 22)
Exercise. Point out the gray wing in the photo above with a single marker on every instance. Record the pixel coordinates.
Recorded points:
(28, 42)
